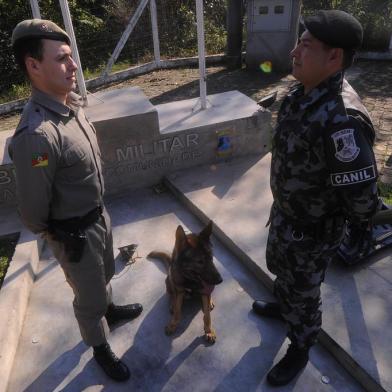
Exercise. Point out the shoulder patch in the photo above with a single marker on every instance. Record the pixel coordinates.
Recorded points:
(354, 177)
(345, 145)
(39, 160)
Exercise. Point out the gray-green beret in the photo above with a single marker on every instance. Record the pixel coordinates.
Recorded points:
(335, 28)
(38, 28)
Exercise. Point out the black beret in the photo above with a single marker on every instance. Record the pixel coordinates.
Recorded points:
(335, 28)
(38, 28)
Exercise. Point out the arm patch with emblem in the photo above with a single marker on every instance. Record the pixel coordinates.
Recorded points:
(349, 155)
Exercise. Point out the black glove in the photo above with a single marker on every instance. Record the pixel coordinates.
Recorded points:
(359, 238)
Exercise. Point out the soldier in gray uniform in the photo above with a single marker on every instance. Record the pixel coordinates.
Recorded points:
(60, 185)
(323, 173)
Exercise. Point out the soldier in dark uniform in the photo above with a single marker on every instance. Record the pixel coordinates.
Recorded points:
(323, 172)
(60, 185)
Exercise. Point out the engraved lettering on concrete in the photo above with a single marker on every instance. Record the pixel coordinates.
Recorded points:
(176, 144)
(157, 163)
(5, 178)
(7, 195)
(162, 146)
(192, 139)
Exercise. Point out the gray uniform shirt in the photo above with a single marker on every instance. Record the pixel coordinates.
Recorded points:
(57, 161)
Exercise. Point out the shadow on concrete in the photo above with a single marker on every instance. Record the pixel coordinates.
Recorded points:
(183, 361)
(249, 372)
(209, 178)
(353, 309)
(247, 82)
(49, 266)
(50, 379)
(355, 321)
(152, 369)
(11, 277)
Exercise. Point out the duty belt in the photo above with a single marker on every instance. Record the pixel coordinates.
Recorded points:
(79, 222)
(324, 227)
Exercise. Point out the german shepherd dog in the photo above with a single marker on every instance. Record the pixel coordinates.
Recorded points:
(190, 270)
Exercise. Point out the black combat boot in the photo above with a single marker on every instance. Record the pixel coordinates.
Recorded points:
(111, 365)
(117, 313)
(289, 366)
(267, 309)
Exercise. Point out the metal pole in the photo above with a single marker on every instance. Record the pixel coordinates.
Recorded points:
(234, 33)
(35, 9)
(123, 40)
(201, 51)
(155, 35)
(75, 54)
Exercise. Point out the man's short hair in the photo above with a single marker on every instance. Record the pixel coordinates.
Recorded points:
(32, 47)
(27, 38)
(348, 56)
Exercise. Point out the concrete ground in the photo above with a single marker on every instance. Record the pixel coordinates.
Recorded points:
(357, 308)
(52, 357)
(356, 301)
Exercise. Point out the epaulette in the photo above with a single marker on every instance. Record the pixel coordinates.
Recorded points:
(32, 120)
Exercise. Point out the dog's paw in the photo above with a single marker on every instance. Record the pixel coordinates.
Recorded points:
(170, 329)
(210, 337)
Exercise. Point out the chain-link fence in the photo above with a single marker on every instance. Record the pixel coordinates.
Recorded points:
(99, 24)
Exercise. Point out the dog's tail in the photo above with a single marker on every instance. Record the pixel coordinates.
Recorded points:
(161, 256)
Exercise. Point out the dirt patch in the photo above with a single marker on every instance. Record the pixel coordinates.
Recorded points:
(178, 84)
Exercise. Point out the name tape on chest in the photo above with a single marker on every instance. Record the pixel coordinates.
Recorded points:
(345, 145)
(353, 177)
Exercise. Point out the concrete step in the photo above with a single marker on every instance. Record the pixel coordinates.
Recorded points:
(356, 301)
(51, 356)
(140, 143)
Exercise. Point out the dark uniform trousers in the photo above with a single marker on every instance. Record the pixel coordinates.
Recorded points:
(299, 259)
(89, 279)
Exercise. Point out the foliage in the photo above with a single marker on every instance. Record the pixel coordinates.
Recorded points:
(99, 24)
(16, 91)
(7, 248)
(385, 192)
(180, 38)
(375, 16)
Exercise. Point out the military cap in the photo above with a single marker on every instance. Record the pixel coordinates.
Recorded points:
(38, 28)
(335, 28)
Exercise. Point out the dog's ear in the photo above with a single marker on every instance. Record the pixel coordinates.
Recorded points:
(180, 238)
(205, 234)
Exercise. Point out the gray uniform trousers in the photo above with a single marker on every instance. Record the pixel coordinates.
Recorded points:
(299, 262)
(89, 279)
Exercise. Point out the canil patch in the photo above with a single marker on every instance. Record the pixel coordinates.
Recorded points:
(353, 177)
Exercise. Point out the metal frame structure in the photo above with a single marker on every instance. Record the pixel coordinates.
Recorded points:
(121, 43)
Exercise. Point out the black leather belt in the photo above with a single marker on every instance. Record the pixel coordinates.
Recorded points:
(322, 228)
(78, 223)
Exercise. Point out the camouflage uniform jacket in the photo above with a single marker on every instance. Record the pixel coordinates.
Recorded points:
(322, 158)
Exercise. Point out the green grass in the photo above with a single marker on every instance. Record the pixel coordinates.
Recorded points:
(93, 73)
(385, 192)
(18, 91)
(7, 249)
